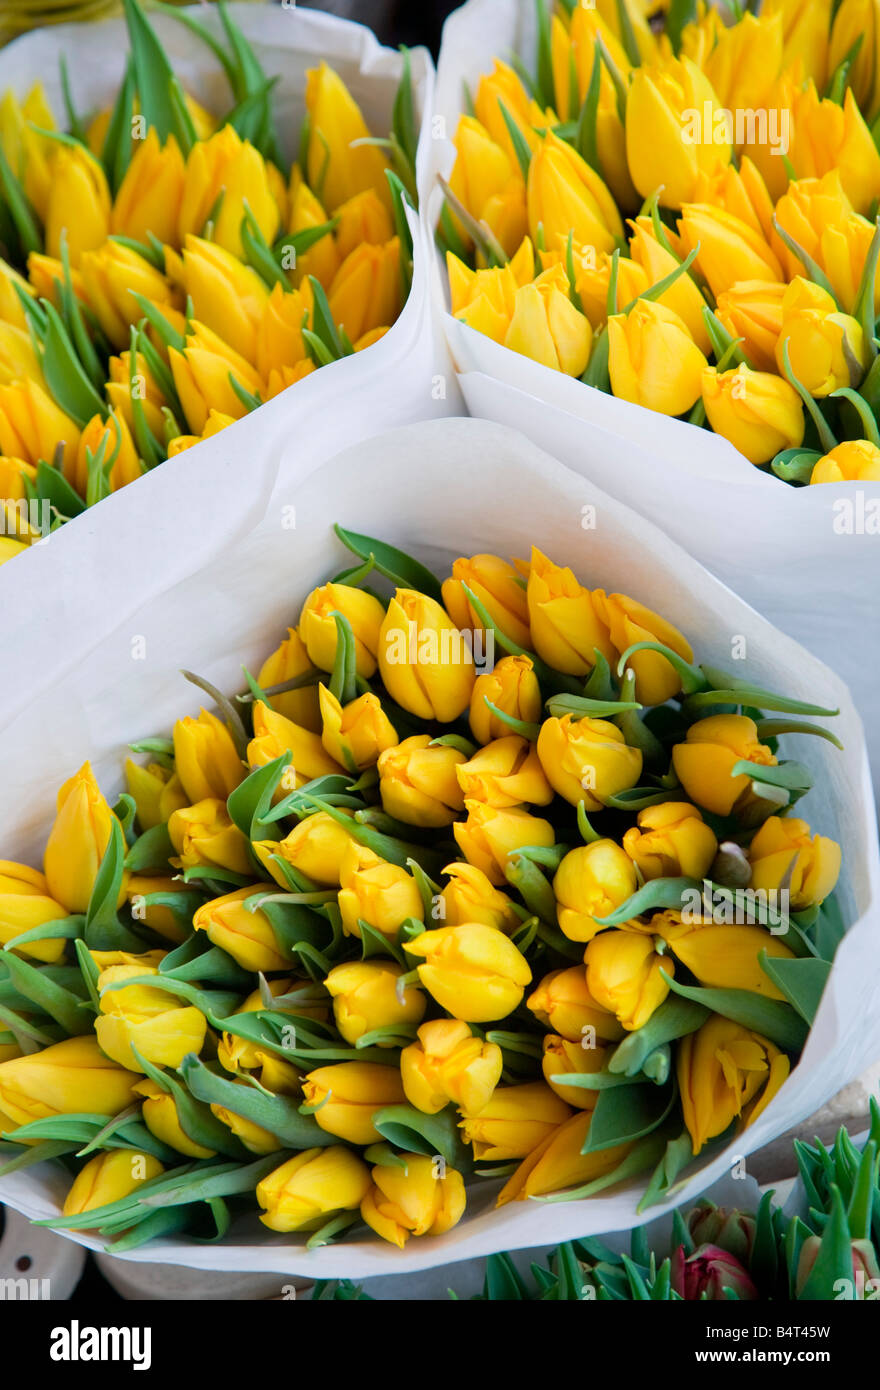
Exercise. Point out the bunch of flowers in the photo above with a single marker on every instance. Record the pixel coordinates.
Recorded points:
(166, 271)
(388, 923)
(686, 218)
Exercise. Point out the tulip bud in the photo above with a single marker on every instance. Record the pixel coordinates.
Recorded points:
(279, 339)
(247, 936)
(78, 841)
(826, 350)
(357, 734)
(489, 836)
(865, 1268)
(23, 906)
(710, 1273)
(78, 205)
(485, 299)
(366, 290)
(713, 747)
(275, 1076)
(11, 309)
(448, 1063)
(274, 736)
(127, 467)
(629, 622)
(382, 895)
(109, 1177)
(201, 376)
(228, 296)
(347, 1096)
(131, 380)
(502, 84)
(558, 1163)
(322, 259)
(564, 1004)
(159, 918)
(512, 688)
(312, 1187)
(112, 274)
(752, 310)
(515, 1121)
(505, 773)
(566, 630)
(156, 792)
(660, 148)
(486, 179)
(318, 631)
(159, 1114)
(828, 135)
(286, 663)
(338, 163)
(591, 882)
(547, 327)
(653, 361)
(474, 972)
(624, 976)
(586, 759)
(733, 1230)
(683, 297)
(724, 1072)
(500, 590)
(566, 195)
(72, 1077)
(418, 784)
(783, 852)
(592, 278)
(205, 834)
(151, 192)
(315, 847)
(413, 1200)
(425, 662)
(365, 997)
(147, 1019)
(730, 250)
(32, 426)
(562, 1058)
(856, 461)
(223, 173)
(671, 841)
(205, 758)
(470, 896)
(728, 957)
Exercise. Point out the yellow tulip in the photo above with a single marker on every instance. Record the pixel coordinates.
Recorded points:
(11, 310)
(503, 84)
(447, 1063)
(201, 377)
(652, 359)
(109, 1177)
(29, 154)
(629, 622)
(426, 665)
(826, 350)
(591, 882)
(347, 1096)
(752, 310)
(147, 1019)
(624, 975)
(730, 250)
(704, 762)
(280, 341)
(312, 1187)
(806, 27)
(548, 328)
(505, 773)
(858, 22)
(13, 473)
(671, 841)
(726, 957)
(274, 736)
(78, 204)
(827, 137)
(160, 918)
(78, 841)
(854, 461)
(516, 1120)
(416, 1199)
(417, 782)
(566, 630)
(23, 906)
(223, 173)
(566, 195)
(289, 661)
(73, 1077)
(497, 586)
(159, 1114)
(216, 422)
(820, 218)
(746, 61)
(151, 192)
(127, 466)
(564, 1004)
(336, 166)
(558, 1163)
(363, 218)
(247, 936)
(783, 852)
(587, 759)
(470, 896)
(726, 1072)
(741, 192)
(760, 414)
(511, 687)
(365, 997)
(371, 890)
(205, 757)
(315, 847)
(564, 1058)
(322, 259)
(486, 179)
(11, 548)
(489, 836)
(227, 296)
(111, 275)
(205, 834)
(355, 735)
(318, 631)
(131, 380)
(18, 360)
(366, 290)
(660, 146)
(274, 1075)
(683, 298)
(474, 972)
(32, 426)
(483, 299)
(156, 791)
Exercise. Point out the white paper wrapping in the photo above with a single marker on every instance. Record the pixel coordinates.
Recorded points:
(201, 587)
(807, 558)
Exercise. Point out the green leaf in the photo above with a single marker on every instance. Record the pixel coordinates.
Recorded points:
(117, 148)
(413, 1132)
(675, 1018)
(795, 465)
(401, 569)
(520, 144)
(586, 142)
(764, 1259)
(801, 981)
(252, 798)
(658, 895)
(626, 1113)
(23, 217)
(59, 1003)
(834, 1261)
(68, 383)
(771, 1018)
(152, 850)
(278, 1114)
(155, 80)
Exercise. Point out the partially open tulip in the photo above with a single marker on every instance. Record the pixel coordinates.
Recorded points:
(474, 972)
(158, 1025)
(347, 1095)
(829, 136)
(820, 217)
(499, 588)
(489, 836)
(78, 205)
(752, 310)
(112, 274)
(783, 853)
(711, 1274)
(365, 997)
(724, 957)
(77, 841)
(591, 882)
(314, 847)
(484, 299)
(624, 975)
(336, 165)
(425, 662)
(274, 735)
(205, 757)
(566, 195)
(725, 1073)
(856, 461)
(564, 1004)
(662, 148)
(310, 1188)
(512, 688)
(652, 360)
(470, 896)
(373, 891)
(417, 782)
(826, 349)
(318, 631)
(247, 936)
(109, 1177)
(730, 250)
(33, 427)
(587, 759)
(448, 1063)
(223, 173)
(355, 735)
(288, 662)
(72, 1077)
(418, 1198)
(547, 327)
(713, 747)
(806, 26)
(366, 290)
(502, 84)
(564, 1058)
(558, 1163)
(205, 834)
(505, 773)
(671, 841)
(759, 413)
(515, 1121)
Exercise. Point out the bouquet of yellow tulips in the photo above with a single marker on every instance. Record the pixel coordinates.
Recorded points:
(165, 270)
(681, 210)
(386, 925)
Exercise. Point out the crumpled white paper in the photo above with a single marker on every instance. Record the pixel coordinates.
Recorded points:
(807, 558)
(201, 588)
